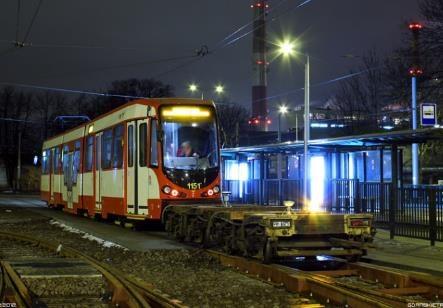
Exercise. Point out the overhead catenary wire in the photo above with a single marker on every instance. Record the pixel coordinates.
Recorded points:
(234, 40)
(218, 46)
(247, 24)
(37, 10)
(17, 28)
(70, 91)
(121, 66)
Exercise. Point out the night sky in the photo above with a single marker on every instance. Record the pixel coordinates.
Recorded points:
(135, 31)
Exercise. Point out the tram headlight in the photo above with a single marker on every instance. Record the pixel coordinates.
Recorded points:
(167, 190)
(216, 189)
(174, 193)
(210, 192)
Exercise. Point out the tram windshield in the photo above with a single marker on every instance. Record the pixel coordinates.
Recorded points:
(189, 138)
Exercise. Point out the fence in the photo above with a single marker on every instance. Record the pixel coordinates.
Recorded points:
(417, 211)
(411, 211)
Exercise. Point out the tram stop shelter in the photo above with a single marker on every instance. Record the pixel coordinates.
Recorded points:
(363, 173)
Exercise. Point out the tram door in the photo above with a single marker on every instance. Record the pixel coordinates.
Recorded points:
(131, 180)
(68, 177)
(55, 173)
(137, 167)
(97, 173)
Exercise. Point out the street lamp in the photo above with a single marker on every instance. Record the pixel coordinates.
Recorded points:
(287, 49)
(193, 87)
(219, 89)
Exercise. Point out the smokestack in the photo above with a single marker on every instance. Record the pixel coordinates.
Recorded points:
(259, 120)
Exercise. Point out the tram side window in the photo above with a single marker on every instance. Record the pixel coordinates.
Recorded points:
(130, 146)
(89, 153)
(45, 161)
(97, 152)
(154, 145)
(76, 165)
(117, 153)
(56, 160)
(106, 149)
(142, 144)
(65, 164)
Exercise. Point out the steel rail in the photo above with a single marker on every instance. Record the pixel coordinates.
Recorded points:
(323, 284)
(127, 290)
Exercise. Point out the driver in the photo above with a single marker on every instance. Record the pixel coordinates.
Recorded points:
(186, 150)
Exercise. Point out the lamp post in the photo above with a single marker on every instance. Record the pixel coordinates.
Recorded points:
(415, 72)
(287, 49)
(282, 110)
(306, 132)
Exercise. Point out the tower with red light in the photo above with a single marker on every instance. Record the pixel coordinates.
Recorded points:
(415, 69)
(259, 120)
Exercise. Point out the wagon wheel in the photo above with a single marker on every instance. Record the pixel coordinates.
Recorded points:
(268, 252)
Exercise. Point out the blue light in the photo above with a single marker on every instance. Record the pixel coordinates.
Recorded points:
(320, 125)
(337, 125)
(36, 160)
(388, 127)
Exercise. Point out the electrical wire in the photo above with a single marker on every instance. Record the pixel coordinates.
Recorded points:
(120, 66)
(272, 20)
(17, 29)
(322, 83)
(248, 24)
(71, 91)
(32, 21)
(218, 46)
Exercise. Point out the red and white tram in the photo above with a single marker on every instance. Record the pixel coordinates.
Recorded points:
(135, 160)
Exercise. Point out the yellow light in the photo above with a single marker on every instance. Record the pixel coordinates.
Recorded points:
(91, 129)
(194, 112)
(314, 207)
(286, 48)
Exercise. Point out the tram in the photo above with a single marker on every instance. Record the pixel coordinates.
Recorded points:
(135, 160)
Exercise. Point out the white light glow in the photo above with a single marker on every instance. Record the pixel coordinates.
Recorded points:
(317, 170)
(243, 172)
(219, 89)
(193, 87)
(283, 109)
(286, 48)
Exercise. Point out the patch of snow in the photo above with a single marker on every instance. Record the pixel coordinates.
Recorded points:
(90, 237)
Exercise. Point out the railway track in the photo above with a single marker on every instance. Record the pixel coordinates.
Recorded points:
(350, 285)
(35, 273)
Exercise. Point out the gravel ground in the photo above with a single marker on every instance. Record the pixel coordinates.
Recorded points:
(188, 275)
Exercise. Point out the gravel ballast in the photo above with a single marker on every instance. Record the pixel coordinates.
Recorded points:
(188, 275)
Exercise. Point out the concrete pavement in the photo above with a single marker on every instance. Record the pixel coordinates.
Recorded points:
(133, 240)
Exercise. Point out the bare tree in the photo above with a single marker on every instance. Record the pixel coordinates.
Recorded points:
(361, 97)
(232, 120)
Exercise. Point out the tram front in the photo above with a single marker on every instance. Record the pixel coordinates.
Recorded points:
(190, 152)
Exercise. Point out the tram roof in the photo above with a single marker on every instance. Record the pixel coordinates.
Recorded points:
(348, 143)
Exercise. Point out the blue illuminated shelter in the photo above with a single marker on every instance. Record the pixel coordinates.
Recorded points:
(250, 173)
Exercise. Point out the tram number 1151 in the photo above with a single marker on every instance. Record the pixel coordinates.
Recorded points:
(194, 186)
